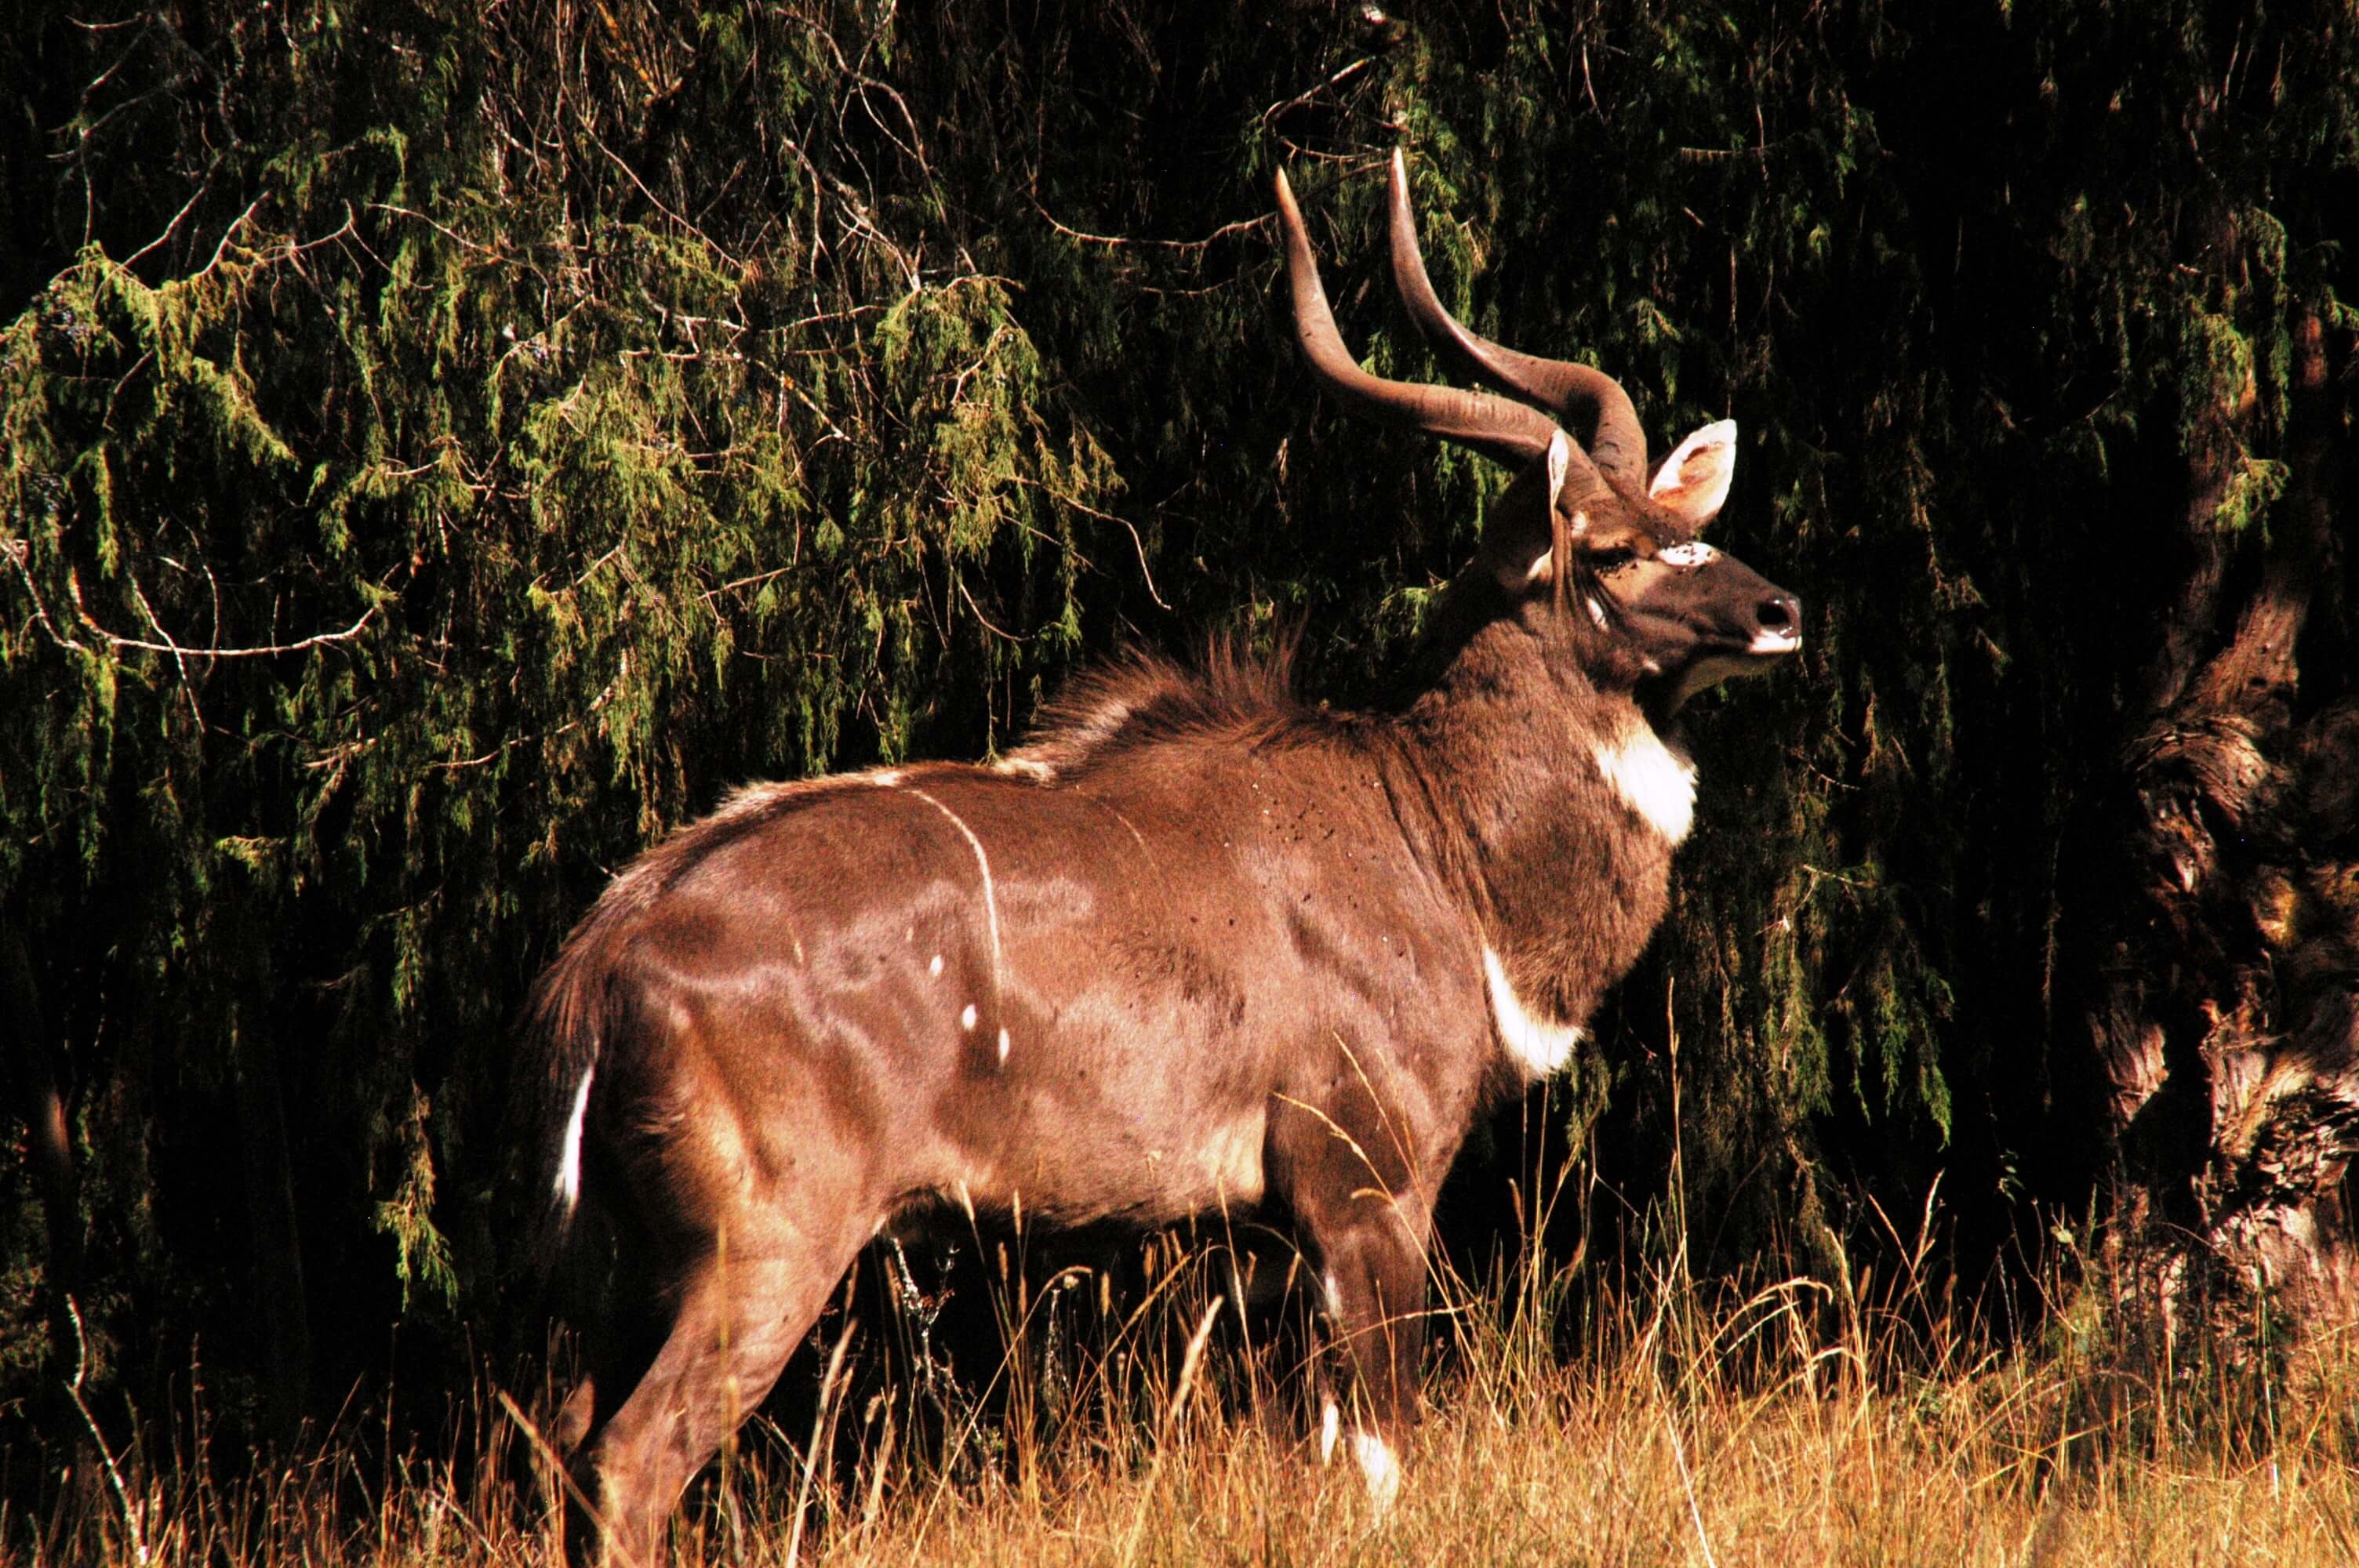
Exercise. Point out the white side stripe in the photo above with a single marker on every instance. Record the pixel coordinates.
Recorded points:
(568, 1165)
(990, 897)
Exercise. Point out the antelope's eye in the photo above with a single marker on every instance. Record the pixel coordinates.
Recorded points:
(1611, 560)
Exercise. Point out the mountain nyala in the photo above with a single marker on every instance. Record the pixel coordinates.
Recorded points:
(1194, 947)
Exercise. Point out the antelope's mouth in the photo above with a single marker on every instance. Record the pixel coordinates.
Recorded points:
(1768, 642)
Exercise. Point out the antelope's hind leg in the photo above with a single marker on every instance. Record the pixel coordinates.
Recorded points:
(742, 1309)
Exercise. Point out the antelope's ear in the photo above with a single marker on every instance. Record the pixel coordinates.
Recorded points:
(1521, 537)
(1692, 484)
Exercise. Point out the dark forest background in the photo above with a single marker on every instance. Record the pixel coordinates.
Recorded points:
(444, 446)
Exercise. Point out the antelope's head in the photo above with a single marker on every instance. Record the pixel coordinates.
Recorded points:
(1584, 542)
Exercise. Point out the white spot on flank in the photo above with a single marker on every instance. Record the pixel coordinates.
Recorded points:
(1331, 1426)
(1542, 1047)
(1334, 1292)
(1596, 612)
(1695, 553)
(568, 1164)
(990, 898)
(1652, 780)
(1540, 568)
(935, 968)
(1003, 1045)
(966, 1019)
(1378, 1468)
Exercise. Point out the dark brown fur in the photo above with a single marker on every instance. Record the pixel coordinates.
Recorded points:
(1194, 947)
(1225, 914)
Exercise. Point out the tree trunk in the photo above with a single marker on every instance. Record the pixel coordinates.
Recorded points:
(278, 1241)
(30, 1054)
(2223, 1017)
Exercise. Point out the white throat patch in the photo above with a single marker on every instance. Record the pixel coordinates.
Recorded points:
(1541, 1046)
(1652, 780)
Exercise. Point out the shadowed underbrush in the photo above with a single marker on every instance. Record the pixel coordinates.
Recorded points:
(1641, 1419)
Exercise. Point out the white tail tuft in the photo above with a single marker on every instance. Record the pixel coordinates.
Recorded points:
(568, 1167)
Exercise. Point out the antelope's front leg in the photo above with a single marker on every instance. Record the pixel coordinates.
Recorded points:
(1346, 1172)
(1373, 1271)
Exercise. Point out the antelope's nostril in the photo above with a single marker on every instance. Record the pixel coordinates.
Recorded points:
(1779, 614)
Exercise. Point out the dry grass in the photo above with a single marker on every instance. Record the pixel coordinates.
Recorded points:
(1804, 1423)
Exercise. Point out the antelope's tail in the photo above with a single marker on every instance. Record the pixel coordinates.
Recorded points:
(565, 1031)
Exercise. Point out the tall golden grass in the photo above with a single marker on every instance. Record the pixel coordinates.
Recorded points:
(1639, 1420)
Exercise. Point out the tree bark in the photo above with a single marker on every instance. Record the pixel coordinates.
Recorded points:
(277, 1240)
(30, 1054)
(2222, 1018)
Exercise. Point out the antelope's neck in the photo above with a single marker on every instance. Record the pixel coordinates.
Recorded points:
(1562, 808)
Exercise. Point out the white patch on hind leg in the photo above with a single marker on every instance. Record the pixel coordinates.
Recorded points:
(1378, 1468)
(1331, 1426)
(1542, 1047)
(1654, 781)
(568, 1165)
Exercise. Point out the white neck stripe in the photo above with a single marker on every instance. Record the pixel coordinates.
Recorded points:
(1541, 1046)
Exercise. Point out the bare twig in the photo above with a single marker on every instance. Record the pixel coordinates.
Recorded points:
(979, 615)
(656, 202)
(203, 185)
(1242, 226)
(180, 656)
(1357, 66)
(131, 1510)
(449, 234)
(230, 233)
(178, 650)
(17, 551)
(1084, 507)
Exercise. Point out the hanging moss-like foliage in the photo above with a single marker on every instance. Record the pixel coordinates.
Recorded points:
(443, 446)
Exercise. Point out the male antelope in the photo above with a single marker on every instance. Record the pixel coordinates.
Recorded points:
(1194, 946)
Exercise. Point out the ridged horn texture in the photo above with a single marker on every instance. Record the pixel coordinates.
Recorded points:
(1616, 444)
(1497, 428)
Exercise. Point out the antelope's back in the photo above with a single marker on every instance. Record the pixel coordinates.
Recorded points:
(1082, 986)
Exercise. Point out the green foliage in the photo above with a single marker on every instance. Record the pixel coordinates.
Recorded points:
(442, 447)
